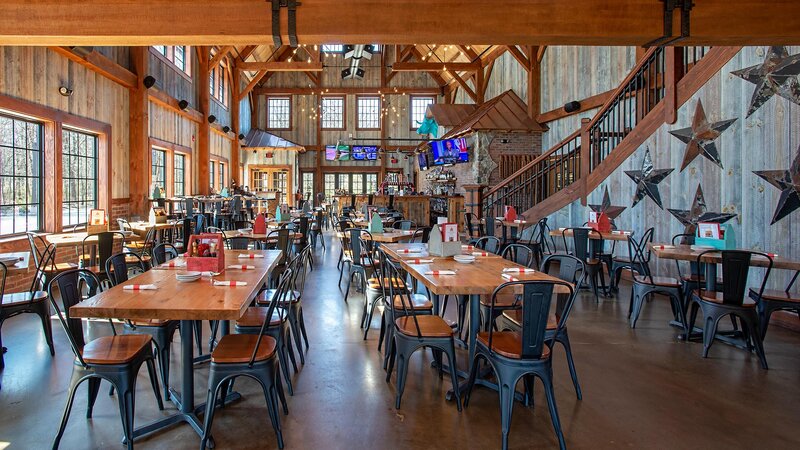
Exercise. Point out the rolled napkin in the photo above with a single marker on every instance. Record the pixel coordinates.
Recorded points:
(250, 256)
(172, 264)
(208, 274)
(419, 261)
(481, 253)
(509, 277)
(410, 250)
(242, 267)
(519, 221)
(468, 248)
(772, 255)
(440, 272)
(229, 283)
(663, 247)
(140, 287)
(518, 270)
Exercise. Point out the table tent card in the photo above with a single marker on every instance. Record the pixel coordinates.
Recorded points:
(438, 245)
(376, 224)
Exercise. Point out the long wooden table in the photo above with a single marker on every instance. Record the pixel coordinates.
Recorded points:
(388, 237)
(187, 302)
(471, 280)
(76, 239)
(617, 235)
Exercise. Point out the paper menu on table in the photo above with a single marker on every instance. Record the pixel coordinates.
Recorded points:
(449, 232)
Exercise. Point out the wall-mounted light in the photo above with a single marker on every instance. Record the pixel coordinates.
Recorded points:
(183, 104)
(226, 128)
(149, 81)
(241, 137)
(65, 91)
(212, 118)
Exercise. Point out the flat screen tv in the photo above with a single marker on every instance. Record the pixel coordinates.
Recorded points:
(449, 151)
(422, 159)
(344, 152)
(364, 152)
(330, 153)
(358, 153)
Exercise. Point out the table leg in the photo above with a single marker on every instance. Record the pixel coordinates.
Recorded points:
(711, 277)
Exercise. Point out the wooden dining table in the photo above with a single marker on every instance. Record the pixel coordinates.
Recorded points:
(186, 302)
(616, 235)
(76, 239)
(473, 280)
(387, 237)
(22, 261)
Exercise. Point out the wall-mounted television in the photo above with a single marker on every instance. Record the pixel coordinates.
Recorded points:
(344, 152)
(330, 153)
(449, 151)
(364, 152)
(422, 160)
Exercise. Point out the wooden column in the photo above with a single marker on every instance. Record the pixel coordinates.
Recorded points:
(585, 158)
(318, 177)
(236, 151)
(673, 62)
(204, 129)
(139, 150)
(534, 83)
(480, 95)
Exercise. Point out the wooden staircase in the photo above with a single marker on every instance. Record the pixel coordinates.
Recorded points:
(660, 83)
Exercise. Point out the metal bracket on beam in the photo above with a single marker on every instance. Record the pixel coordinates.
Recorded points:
(669, 7)
(291, 5)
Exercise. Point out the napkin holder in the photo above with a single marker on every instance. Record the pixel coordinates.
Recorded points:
(726, 242)
(157, 215)
(598, 221)
(510, 214)
(437, 246)
(260, 224)
(206, 263)
(376, 224)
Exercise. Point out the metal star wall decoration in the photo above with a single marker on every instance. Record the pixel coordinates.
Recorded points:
(698, 213)
(777, 75)
(699, 138)
(788, 181)
(647, 180)
(605, 207)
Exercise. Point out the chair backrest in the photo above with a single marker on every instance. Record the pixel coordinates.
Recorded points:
(239, 243)
(580, 241)
(105, 246)
(489, 243)
(526, 236)
(188, 207)
(683, 238)
(123, 225)
(491, 225)
(43, 261)
(199, 224)
(735, 271)
(570, 269)
(474, 226)
(536, 299)
(542, 235)
(163, 253)
(69, 288)
(396, 288)
(279, 240)
(117, 267)
(520, 254)
(421, 235)
(344, 224)
(304, 229)
(38, 246)
(406, 225)
(284, 286)
(357, 245)
(3, 280)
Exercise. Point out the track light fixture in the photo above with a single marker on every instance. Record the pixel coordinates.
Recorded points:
(183, 104)
(149, 81)
(212, 118)
(65, 91)
(226, 128)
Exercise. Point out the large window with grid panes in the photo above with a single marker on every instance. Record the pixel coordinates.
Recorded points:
(21, 159)
(177, 55)
(279, 113)
(418, 108)
(307, 184)
(179, 174)
(368, 112)
(350, 183)
(218, 84)
(79, 176)
(332, 113)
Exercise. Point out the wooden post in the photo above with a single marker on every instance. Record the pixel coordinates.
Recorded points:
(235, 150)
(473, 199)
(585, 158)
(204, 129)
(480, 95)
(673, 62)
(534, 83)
(139, 149)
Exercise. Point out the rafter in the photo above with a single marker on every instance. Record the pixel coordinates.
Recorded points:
(438, 66)
(281, 66)
(464, 85)
(435, 75)
(246, 52)
(521, 59)
(97, 62)
(540, 53)
(469, 52)
(253, 83)
(219, 56)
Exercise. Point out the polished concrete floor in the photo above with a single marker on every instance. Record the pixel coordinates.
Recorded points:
(642, 388)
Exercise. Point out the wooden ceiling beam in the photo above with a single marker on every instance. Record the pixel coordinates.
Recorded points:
(437, 66)
(469, 52)
(348, 91)
(246, 52)
(219, 56)
(494, 53)
(97, 62)
(540, 53)
(464, 85)
(281, 66)
(253, 83)
(434, 74)
(521, 59)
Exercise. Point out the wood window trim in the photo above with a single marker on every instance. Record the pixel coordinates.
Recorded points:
(291, 111)
(169, 165)
(380, 107)
(344, 113)
(218, 71)
(289, 194)
(53, 121)
(217, 159)
(411, 108)
(186, 57)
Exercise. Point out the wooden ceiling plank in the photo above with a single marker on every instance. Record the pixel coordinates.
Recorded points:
(348, 90)
(437, 66)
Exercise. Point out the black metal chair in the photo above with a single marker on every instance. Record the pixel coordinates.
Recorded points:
(519, 254)
(474, 227)
(414, 330)
(358, 267)
(580, 249)
(527, 238)
(116, 359)
(621, 263)
(542, 235)
(491, 244)
(420, 235)
(514, 355)
(39, 251)
(316, 229)
(249, 355)
(239, 243)
(163, 253)
(776, 300)
(199, 224)
(732, 300)
(143, 248)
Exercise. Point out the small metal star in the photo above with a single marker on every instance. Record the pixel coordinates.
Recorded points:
(777, 75)
(788, 181)
(698, 213)
(605, 207)
(647, 180)
(699, 138)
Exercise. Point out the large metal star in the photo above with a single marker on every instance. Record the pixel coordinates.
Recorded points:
(788, 181)
(647, 180)
(605, 207)
(777, 75)
(698, 213)
(699, 138)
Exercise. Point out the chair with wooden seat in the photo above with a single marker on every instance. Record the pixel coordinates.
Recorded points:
(105, 247)
(645, 285)
(732, 300)
(491, 244)
(406, 225)
(621, 263)
(116, 359)
(163, 253)
(528, 239)
(143, 248)
(580, 249)
(413, 330)
(513, 355)
(776, 300)
(32, 302)
(689, 279)
(361, 265)
(315, 233)
(253, 356)
(39, 251)
(542, 235)
(239, 243)
(573, 271)
(420, 236)
(519, 254)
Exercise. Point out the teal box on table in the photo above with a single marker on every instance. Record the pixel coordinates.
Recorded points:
(728, 241)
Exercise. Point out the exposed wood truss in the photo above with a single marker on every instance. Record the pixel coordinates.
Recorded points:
(281, 66)
(96, 62)
(221, 54)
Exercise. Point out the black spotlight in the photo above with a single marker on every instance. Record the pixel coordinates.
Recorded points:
(226, 128)
(149, 81)
(572, 106)
(212, 118)
(183, 104)
(241, 137)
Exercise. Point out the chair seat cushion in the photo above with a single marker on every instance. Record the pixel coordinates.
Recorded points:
(20, 298)
(505, 299)
(119, 349)
(515, 316)
(716, 297)
(429, 326)
(693, 278)
(508, 344)
(266, 296)
(418, 302)
(374, 283)
(238, 348)
(59, 267)
(152, 322)
(658, 281)
(776, 295)
(254, 317)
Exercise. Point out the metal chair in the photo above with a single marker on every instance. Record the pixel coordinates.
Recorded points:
(621, 263)
(731, 300)
(199, 223)
(776, 300)
(420, 235)
(491, 244)
(116, 359)
(40, 249)
(358, 266)
(594, 267)
(163, 253)
(474, 227)
(239, 243)
(519, 254)
(513, 355)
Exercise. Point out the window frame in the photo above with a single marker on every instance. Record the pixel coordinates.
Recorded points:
(411, 98)
(219, 93)
(96, 187)
(279, 97)
(313, 176)
(172, 150)
(169, 58)
(343, 126)
(220, 163)
(40, 177)
(378, 118)
(175, 177)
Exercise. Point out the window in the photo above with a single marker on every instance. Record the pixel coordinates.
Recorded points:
(280, 182)
(212, 166)
(419, 106)
(350, 183)
(357, 184)
(158, 169)
(221, 175)
(177, 55)
(79, 176)
(333, 48)
(20, 175)
(332, 113)
(368, 110)
(218, 83)
(179, 175)
(330, 186)
(279, 113)
(307, 184)
(372, 183)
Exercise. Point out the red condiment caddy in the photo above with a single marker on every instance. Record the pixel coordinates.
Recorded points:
(205, 263)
